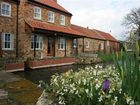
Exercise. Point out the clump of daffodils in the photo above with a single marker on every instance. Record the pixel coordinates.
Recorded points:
(90, 86)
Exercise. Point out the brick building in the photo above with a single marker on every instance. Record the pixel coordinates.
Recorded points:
(33, 28)
(96, 41)
(42, 28)
(8, 27)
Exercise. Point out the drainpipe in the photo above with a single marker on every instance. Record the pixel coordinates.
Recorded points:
(17, 33)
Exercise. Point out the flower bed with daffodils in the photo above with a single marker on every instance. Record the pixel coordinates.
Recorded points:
(89, 86)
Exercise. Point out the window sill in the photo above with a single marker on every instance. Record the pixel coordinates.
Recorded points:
(63, 25)
(87, 47)
(37, 49)
(7, 49)
(51, 22)
(5, 16)
(61, 49)
(37, 18)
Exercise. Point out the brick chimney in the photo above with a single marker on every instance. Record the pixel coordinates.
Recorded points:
(55, 1)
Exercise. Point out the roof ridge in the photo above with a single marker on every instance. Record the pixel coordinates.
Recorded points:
(53, 4)
(81, 27)
(102, 31)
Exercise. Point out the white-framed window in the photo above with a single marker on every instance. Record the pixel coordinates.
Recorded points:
(62, 20)
(51, 17)
(7, 41)
(36, 42)
(5, 9)
(62, 42)
(37, 13)
(102, 46)
(75, 43)
(107, 43)
(87, 44)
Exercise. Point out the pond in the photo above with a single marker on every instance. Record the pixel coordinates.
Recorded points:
(45, 74)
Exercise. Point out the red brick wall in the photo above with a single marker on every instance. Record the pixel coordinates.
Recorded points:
(14, 66)
(25, 32)
(8, 25)
(113, 47)
(50, 62)
(29, 14)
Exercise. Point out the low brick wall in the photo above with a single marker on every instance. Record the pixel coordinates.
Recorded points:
(12, 67)
(33, 64)
(50, 62)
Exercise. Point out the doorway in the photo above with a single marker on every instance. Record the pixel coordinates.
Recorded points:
(51, 46)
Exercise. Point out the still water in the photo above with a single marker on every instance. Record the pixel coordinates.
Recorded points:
(45, 74)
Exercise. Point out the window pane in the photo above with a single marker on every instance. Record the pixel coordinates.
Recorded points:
(38, 42)
(32, 45)
(8, 44)
(62, 20)
(62, 43)
(7, 12)
(5, 9)
(37, 12)
(50, 17)
(37, 45)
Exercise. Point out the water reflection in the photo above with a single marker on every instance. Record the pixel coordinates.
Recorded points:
(46, 73)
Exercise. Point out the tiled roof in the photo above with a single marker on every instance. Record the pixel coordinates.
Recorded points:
(49, 27)
(88, 32)
(52, 4)
(93, 33)
(107, 36)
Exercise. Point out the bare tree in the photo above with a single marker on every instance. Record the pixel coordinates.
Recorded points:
(132, 21)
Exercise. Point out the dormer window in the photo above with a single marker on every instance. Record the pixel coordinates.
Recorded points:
(5, 9)
(51, 17)
(62, 20)
(37, 13)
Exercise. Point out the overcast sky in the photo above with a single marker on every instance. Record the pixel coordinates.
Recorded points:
(103, 15)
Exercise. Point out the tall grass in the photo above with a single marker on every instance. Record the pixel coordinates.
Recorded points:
(128, 67)
(106, 57)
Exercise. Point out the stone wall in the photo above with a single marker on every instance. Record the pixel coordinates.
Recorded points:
(94, 45)
(27, 52)
(69, 49)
